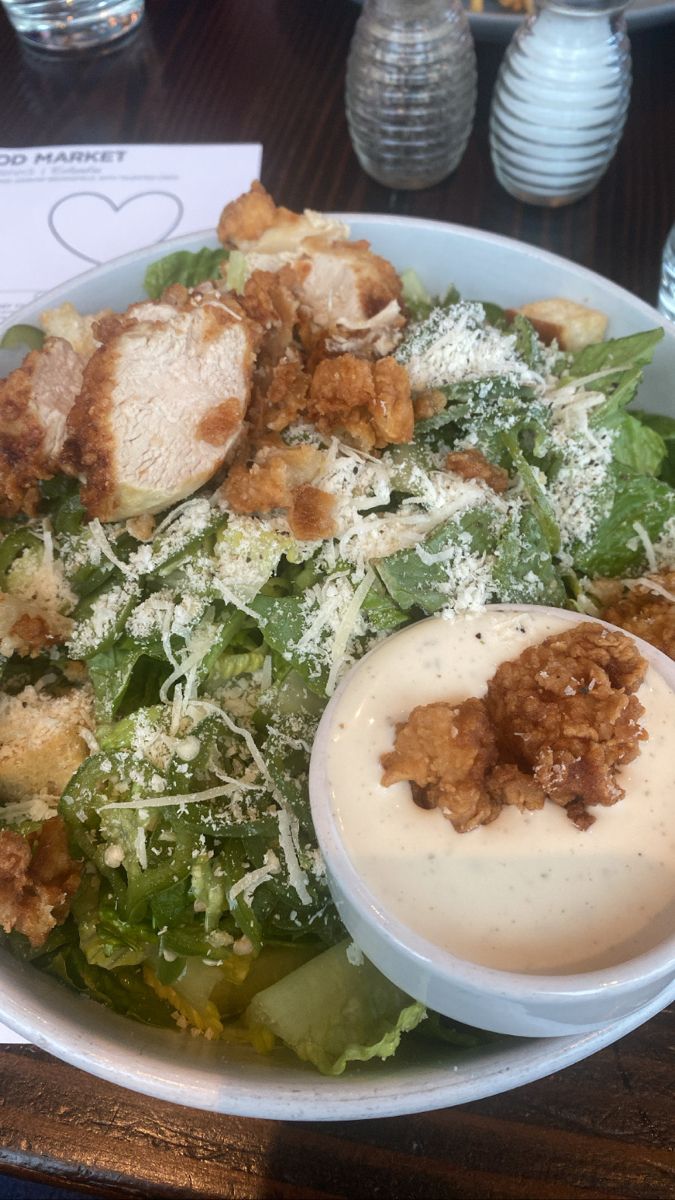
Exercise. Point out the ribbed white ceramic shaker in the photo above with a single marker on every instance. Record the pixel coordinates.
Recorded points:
(560, 100)
(411, 90)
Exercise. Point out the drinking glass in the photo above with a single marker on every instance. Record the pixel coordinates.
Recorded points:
(63, 25)
(666, 301)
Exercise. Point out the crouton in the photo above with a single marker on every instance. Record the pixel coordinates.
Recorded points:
(41, 742)
(573, 326)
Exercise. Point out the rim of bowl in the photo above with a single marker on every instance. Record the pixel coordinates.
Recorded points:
(643, 968)
(160, 249)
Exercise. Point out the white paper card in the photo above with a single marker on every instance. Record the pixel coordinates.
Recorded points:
(65, 209)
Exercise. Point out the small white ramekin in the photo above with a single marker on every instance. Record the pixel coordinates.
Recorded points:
(526, 1005)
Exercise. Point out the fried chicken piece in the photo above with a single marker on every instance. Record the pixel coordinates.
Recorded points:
(643, 609)
(35, 400)
(350, 296)
(428, 404)
(579, 815)
(162, 404)
(270, 234)
(565, 713)
(447, 752)
(369, 403)
(37, 880)
(280, 478)
(257, 488)
(268, 300)
(246, 218)
(350, 299)
(507, 784)
(471, 464)
(285, 398)
(270, 480)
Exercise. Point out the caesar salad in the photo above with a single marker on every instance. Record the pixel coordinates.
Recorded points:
(213, 504)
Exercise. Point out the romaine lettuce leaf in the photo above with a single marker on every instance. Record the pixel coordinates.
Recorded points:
(13, 547)
(636, 350)
(336, 1009)
(110, 672)
(122, 989)
(510, 556)
(615, 369)
(284, 621)
(418, 301)
(636, 445)
(183, 266)
(443, 1029)
(616, 548)
(665, 428)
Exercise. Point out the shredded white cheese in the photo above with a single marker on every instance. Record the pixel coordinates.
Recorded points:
(455, 344)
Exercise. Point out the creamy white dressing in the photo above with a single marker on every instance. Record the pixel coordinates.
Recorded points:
(528, 892)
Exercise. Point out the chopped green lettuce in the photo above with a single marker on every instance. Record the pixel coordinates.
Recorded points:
(476, 558)
(336, 1009)
(617, 549)
(183, 266)
(22, 335)
(665, 428)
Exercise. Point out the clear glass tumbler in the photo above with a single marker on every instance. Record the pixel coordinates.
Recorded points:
(666, 301)
(64, 25)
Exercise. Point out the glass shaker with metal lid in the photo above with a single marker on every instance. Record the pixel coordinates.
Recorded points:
(560, 100)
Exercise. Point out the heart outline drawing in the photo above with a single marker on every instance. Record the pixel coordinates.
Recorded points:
(115, 208)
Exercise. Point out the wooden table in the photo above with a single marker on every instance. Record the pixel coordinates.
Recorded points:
(272, 71)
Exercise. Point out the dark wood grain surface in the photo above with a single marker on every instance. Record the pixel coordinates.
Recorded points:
(273, 71)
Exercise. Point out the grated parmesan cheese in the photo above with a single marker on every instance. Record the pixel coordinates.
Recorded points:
(664, 548)
(100, 623)
(248, 883)
(141, 851)
(644, 537)
(456, 344)
(579, 493)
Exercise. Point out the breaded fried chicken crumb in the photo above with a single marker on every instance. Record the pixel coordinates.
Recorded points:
(38, 877)
(646, 608)
(471, 464)
(565, 713)
(268, 482)
(447, 751)
(368, 403)
(557, 723)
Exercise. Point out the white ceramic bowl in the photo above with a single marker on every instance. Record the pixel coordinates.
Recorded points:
(525, 1005)
(420, 1077)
